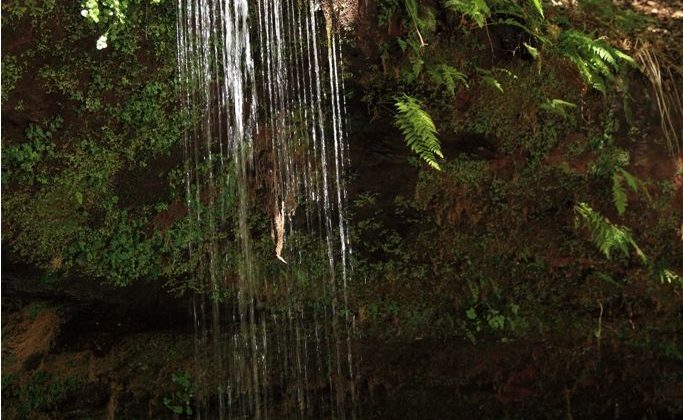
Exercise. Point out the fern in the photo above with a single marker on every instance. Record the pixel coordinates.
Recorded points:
(488, 78)
(538, 6)
(597, 62)
(619, 192)
(476, 10)
(533, 51)
(667, 276)
(607, 236)
(386, 10)
(447, 76)
(418, 130)
(557, 106)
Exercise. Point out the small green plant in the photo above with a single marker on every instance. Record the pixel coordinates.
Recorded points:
(120, 250)
(624, 20)
(42, 393)
(619, 192)
(557, 107)
(180, 401)
(598, 62)
(110, 14)
(667, 276)
(475, 10)
(11, 73)
(447, 76)
(37, 10)
(488, 77)
(527, 16)
(496, 320)
(418, 130)
(607, 236)
(422, 18)
(22, 159)
(35, 309)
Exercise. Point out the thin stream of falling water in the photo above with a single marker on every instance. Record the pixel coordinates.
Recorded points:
(340, 145)
(287, 109)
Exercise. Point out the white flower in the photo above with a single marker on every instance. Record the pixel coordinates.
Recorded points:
(84, 13)
(102, 42)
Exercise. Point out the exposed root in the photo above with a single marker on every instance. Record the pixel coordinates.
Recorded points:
(279, 234)
(666, 93)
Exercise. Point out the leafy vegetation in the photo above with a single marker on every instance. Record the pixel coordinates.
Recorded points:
(44, 393)
(618, 192)
(11, 73)
(418, 130)
(597, 61)
(21, 160)
(476, 10)
(607, 236)
(72, 181)
(494, 240)
(180, 401)
(111, 15)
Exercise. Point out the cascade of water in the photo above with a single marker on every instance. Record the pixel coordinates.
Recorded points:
(268, 137)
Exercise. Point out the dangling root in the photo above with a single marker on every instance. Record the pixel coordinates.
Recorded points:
(668, 98)
(279, 234)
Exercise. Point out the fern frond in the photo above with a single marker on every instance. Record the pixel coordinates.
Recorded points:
(607, 236)
(447, 76)
(668, 276)
(487, 76)
(533, 51)
(631, 180)
(618, 194)
(596, 60)
(493, 82)
(475, 10)
(557, 106)
(418, 130)
(538, 6)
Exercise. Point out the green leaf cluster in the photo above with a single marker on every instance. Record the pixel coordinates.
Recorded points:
(598, 62)
(607, 236)
(475, 10)
(180, 401)
(619, 192)
(109, 14)
(418, 130)
(447, 76)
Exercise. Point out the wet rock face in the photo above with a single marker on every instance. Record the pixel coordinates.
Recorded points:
(345, 12)
(91, 305)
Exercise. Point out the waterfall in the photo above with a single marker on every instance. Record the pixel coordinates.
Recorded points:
(267, 150)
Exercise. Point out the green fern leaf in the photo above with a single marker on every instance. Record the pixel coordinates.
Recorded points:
(595, 59)
(624, 57)
(538, 6)
(447, 76)
(532, 50)
(476, 10)
(668, 276)
(618, 194)
(418, 129)
(607, 236)
(631, 180)
(493, 82)
(557, 106)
